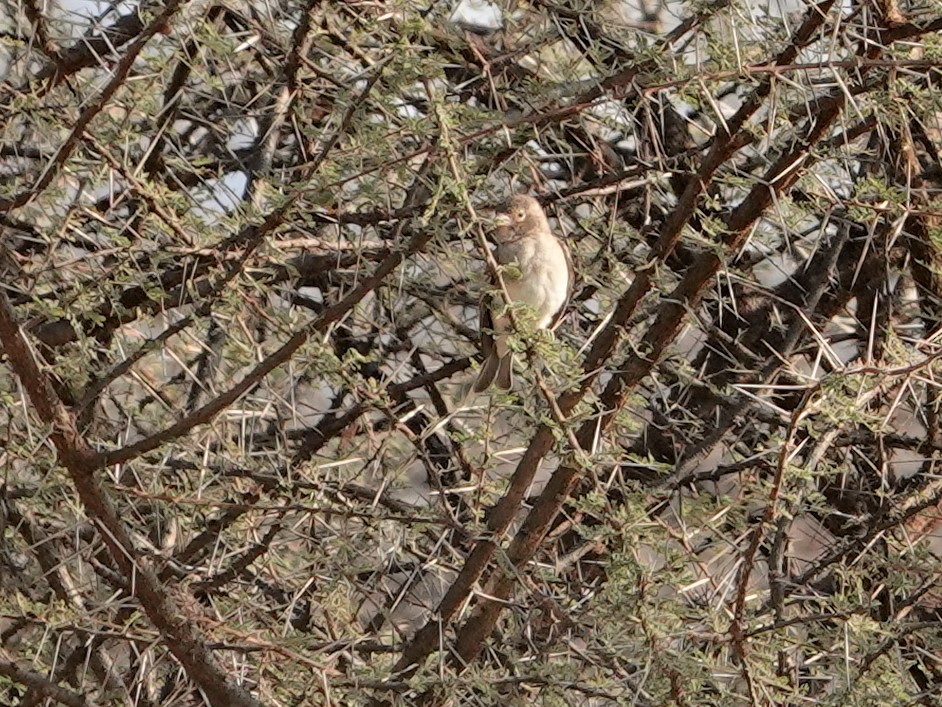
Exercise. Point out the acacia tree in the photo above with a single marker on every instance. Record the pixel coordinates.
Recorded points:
(241, 251)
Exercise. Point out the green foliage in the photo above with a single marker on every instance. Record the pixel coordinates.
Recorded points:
(304, 476)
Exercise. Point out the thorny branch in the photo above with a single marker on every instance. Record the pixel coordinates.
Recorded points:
(239, 239)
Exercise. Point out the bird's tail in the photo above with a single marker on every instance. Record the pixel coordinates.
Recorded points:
(499, 369)
(505, 373)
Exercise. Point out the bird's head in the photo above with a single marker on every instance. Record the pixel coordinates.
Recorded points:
(518, 217)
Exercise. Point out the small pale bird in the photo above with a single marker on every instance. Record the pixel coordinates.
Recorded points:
(541, 276)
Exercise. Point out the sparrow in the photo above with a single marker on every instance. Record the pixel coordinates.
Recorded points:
(541, 276)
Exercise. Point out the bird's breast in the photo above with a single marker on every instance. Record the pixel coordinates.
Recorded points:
(542, 281)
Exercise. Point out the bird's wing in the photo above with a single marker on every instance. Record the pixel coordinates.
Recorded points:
(572, 279)
(486, 325)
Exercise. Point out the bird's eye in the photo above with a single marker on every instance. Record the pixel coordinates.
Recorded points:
(520, 215)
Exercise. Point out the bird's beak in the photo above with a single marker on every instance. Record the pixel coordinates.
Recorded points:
(501, 220)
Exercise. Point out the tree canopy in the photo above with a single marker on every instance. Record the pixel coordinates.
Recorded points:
(242, 249)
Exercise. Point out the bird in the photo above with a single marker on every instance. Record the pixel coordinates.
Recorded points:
(540, 276)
